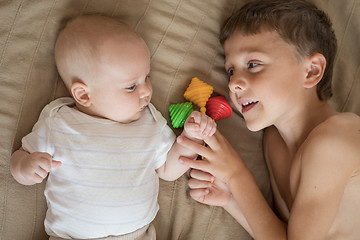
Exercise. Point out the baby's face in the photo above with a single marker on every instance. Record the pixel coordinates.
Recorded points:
(122, 89)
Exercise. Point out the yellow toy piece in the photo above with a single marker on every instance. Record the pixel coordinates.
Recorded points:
(198, 92)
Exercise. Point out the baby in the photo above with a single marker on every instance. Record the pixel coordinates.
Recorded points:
(107, 145)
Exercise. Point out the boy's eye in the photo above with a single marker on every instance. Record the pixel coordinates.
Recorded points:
(230, 72)
(253, 64)
(131, 88)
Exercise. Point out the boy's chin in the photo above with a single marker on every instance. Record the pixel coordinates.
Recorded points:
(254, 127)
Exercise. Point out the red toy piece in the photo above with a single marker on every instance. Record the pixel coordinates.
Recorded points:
(218, 108)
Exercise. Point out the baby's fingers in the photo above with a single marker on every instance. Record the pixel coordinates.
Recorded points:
(207, 127)
(37, 178)
(41, 173)
(55, 164)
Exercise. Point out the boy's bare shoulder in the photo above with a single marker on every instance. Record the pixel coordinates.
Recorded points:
(343, 128)
(338, 138)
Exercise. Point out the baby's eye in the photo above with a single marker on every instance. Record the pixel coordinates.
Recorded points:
(131, 88)
(253, 64)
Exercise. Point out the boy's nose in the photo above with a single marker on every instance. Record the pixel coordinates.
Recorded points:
(237, 84)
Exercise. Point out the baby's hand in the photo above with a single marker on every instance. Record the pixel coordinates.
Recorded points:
(37, 166)
(198, 126)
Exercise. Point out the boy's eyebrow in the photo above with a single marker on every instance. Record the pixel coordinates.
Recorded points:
(248, 54)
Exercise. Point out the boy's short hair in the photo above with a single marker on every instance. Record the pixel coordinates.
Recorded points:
(298, 22)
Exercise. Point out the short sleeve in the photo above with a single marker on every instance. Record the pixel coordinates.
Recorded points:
(166, 137)
(37, 140)
(166, 140)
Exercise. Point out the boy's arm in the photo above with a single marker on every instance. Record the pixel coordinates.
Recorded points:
(205, 189)
(29, 169)
(327, 164)
(223, 162)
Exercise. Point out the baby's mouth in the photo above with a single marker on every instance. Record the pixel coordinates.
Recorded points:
(143, 107)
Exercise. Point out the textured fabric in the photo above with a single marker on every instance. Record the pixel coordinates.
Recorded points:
(182, 38)
(107, 183)
(145, 233)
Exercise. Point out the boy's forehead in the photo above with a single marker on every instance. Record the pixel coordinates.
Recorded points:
(264, 44)
(260, 40)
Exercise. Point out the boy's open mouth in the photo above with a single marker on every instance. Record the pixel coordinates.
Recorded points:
(248, 105)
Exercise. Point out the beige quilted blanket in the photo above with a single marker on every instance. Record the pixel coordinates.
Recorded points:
(182, 38)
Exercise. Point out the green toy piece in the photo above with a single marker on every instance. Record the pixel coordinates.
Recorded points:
(179, 112)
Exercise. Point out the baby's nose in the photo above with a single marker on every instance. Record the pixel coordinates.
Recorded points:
(146, 90)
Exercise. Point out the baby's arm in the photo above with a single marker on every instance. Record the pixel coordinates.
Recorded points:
(30, 168)
(197, 126)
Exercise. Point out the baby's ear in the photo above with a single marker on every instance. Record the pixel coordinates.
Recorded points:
(316, 64)
(80, 92)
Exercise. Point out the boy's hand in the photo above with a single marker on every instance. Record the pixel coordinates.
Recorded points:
(37, 166)
(206, 189)
(198, 126)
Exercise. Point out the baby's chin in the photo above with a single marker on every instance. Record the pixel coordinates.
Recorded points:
(133, 118)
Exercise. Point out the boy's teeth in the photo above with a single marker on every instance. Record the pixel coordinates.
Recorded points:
(248, 103)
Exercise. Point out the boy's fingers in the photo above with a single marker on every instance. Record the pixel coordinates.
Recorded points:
(200, 175)
(195, 147)
(196, 184)
(214, 140)
(198, 164)
(199, 194)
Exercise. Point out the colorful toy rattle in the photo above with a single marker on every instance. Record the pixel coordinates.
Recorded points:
(199, 92)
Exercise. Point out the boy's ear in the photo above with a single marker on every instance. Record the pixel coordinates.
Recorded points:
(315, 70)
(80, 92)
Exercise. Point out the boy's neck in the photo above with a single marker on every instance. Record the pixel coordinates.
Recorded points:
(296, 129)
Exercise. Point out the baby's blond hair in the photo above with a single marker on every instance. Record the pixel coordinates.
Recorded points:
(77, 46)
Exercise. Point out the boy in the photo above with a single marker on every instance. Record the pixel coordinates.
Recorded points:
(106, 147)
(279, 58)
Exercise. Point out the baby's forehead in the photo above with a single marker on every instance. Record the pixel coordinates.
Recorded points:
(97, 27)
(90, 34)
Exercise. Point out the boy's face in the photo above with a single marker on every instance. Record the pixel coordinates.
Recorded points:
(122, 89)
(265, 78)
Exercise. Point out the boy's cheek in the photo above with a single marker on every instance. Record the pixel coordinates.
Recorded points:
(233, 100)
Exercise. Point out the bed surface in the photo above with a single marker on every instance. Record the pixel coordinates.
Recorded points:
(182, 38)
